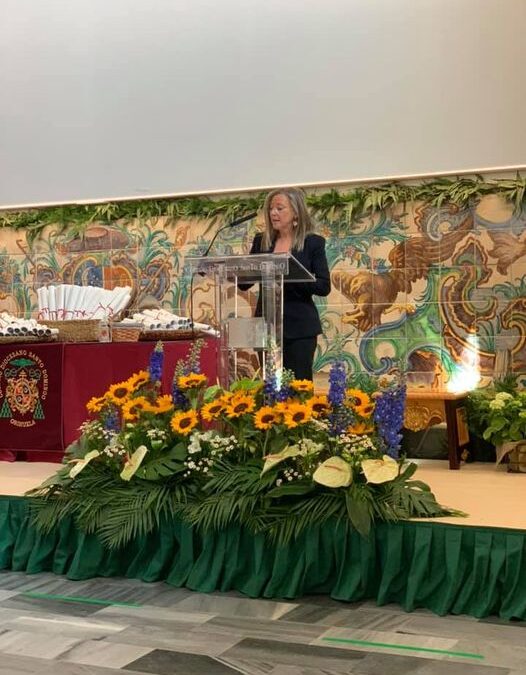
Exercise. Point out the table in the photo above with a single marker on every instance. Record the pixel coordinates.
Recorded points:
(426, 408)
(44, 387)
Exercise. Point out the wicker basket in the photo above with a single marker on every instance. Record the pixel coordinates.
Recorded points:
(517, 458)
(167, 335)
(22, 339)
(125, 332)
(76, 330)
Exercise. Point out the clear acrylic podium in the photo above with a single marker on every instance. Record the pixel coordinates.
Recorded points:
(263, 334)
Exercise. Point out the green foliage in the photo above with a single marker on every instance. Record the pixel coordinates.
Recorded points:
(352, 206)
(498, 413)
(285, 523)
(117, 512)
(165, 465)
(358, 501)
(232, 495)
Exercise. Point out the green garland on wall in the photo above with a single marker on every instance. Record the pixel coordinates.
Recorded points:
(352, 204)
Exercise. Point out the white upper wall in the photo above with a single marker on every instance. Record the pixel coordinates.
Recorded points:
(121, 98)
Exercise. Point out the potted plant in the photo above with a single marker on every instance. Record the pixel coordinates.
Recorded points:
(504, 415)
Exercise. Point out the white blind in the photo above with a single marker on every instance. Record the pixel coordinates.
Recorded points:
(123, 98)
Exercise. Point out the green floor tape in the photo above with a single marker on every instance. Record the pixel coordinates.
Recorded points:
(71, 598)
(386, 645)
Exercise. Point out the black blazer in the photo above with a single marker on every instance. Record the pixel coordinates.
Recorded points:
(300, 316)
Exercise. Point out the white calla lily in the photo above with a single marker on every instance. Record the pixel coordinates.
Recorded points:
(380, 470)
(134, 463)
(276, 458)
(83, 463)
(334, 472)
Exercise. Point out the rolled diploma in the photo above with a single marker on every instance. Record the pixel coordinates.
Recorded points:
(43, 307)
(51, 303)
(121, 300)
(66, 293)
(59, 301)
(76, 302)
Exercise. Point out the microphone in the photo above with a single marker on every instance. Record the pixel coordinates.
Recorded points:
(239, 221)
(234, 223)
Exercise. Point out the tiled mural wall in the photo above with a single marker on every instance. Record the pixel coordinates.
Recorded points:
(440, 293)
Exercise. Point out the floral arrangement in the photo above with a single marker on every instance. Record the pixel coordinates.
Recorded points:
(273, 456)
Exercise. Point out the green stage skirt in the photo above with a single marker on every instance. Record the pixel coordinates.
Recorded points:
(445, 568)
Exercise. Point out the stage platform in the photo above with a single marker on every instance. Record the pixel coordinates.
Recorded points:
(489, 495)
(474, 565)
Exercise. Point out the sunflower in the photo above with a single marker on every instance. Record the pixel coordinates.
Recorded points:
(357, 398)
(211, 411)
(95, 404)
(118, 393)
(365, 410)
(360, 428)
(266, 417)
(132, 408)
(184, 422)
(163, 404)
(226, 397)
(240, 404)
(190, 381)
(138, 379)
(283, 406)
(304, 386)
(296, 414)
(319, 405)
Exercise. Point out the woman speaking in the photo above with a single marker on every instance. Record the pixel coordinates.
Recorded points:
(290, 229)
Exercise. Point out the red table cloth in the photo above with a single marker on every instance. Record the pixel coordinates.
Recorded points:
(44, 387)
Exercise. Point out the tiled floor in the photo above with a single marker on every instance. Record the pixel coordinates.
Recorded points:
(52, 626)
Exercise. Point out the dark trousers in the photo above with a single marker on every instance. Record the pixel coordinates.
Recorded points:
(298, 355)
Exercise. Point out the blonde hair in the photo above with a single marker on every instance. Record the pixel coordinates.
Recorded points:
(304, 224)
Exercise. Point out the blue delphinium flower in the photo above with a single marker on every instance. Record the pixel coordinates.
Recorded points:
(340, 416)
(156, 363)
(389, 418)
(111, 420)
(273, 392)
(178, 397)
(337, 383)
(194, 357)
(275, 385)
(270, 389)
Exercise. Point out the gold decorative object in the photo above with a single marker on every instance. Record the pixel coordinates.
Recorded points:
(418, 417)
